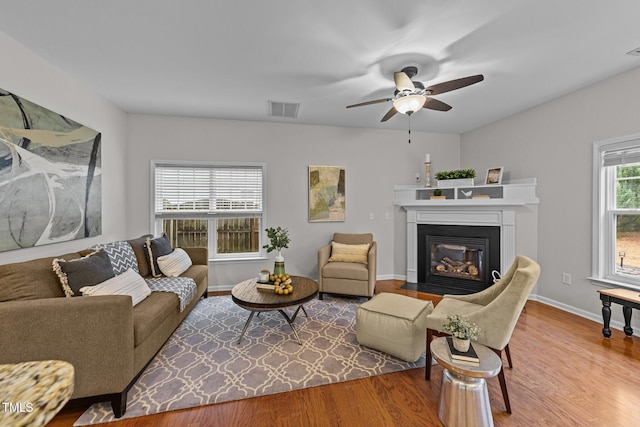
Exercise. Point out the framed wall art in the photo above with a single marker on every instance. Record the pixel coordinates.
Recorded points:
(327, 193)
(50, 176)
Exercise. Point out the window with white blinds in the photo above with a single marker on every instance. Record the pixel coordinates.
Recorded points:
(208, 190)
(616, 212)
(218, 206)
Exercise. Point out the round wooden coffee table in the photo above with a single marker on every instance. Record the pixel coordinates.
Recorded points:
(247, 296)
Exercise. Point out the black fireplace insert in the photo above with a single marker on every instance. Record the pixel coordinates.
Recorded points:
(459, 257)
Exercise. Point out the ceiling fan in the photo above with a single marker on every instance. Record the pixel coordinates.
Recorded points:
(410, 96)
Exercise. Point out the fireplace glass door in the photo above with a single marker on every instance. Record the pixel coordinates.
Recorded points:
(458, 258)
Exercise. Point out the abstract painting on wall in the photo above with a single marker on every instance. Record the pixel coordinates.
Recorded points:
(327, 193)
(50, 176)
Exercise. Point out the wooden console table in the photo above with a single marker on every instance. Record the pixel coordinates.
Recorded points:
(627, 298)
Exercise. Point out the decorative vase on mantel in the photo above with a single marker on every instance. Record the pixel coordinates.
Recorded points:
(461, 344)
(278, 267)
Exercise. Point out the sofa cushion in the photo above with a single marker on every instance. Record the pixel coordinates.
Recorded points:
(175, 263)
(86, 271)
(155, 248)
(345, 270)
(197, 272)
(121, 255)
(349, 253)
(31, 280)
(128, 283)
(138, 249)
(150, 313)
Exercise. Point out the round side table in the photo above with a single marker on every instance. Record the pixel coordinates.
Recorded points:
(464, 398)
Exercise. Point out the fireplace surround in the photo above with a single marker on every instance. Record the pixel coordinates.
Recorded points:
(500, 209)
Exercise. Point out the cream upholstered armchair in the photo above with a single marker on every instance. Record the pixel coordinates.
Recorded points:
(347, 265)
(495, 310)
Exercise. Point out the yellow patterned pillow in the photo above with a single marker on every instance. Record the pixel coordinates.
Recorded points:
(349, 253)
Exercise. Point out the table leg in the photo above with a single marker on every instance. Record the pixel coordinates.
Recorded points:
(290, 322)
(246, 325)
(295, 314)
(464, 402)
(626, 311)
(606, 317)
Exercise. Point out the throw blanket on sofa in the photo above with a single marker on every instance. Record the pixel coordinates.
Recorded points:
(184, 287)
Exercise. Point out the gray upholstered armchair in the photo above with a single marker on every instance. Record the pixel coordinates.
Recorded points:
(495, 310)
(347, 265)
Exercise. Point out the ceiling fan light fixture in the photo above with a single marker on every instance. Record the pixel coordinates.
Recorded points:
(409, 104)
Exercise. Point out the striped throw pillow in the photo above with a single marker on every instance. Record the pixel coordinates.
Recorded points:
(128, 283)
(341, 252)
(174, 264)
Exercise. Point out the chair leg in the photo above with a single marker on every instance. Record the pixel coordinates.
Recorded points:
(320, 296)
(508, 353)
(427, 356)
(505, 393)
(503, 382)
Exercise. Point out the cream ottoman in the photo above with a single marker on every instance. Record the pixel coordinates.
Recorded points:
(395, 324)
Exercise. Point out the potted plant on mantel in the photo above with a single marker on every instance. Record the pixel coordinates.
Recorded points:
(456, 178)
(462, 331)
(437, 194)
(279, 239)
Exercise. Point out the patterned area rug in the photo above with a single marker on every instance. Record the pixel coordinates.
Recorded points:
(202, 363)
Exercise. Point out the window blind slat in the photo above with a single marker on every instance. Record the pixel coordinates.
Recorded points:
(214, 189)
(617, 157)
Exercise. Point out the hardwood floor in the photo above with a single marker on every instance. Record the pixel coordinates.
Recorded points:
(565, 374)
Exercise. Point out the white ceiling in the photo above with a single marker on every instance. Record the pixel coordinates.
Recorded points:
(227, 59)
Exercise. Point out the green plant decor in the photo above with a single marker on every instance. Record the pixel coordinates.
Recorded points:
(437, 192)
(278, 237)
(461, 328)
(456, 174)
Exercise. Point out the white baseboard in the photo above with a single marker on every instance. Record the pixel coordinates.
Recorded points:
(219, 288)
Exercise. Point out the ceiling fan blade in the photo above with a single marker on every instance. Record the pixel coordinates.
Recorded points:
(377, 101)
(453, 84)
(434, 104)
(403, 82)
(389, 114)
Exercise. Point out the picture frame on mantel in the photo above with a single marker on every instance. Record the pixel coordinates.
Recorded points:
(494, 176)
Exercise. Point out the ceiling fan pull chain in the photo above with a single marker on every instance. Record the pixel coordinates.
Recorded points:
(409, 128)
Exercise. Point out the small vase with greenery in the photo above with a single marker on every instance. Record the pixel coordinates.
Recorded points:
(461, 330)
(279, 239)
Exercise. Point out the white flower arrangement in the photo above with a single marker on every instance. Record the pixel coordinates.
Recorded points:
(461, 328)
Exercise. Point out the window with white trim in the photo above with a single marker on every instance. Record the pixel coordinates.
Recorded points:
(213, 205)
(616, 251)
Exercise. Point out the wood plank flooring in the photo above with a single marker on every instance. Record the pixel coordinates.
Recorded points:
(565, 374)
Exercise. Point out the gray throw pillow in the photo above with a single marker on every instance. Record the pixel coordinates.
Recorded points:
(155, 248)
(87, 271)
(121, 256)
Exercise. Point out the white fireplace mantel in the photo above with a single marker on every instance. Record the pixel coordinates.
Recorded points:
(493, 205)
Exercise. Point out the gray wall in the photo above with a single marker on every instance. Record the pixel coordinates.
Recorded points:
(553, 142)
(375, 161)
(30, 77)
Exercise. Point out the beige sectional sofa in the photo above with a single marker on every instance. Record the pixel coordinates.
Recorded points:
(107, 340)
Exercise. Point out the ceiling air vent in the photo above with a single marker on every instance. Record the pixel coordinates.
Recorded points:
(634, 52)
(283, 109)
